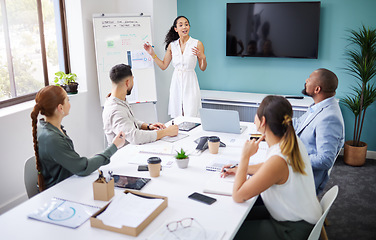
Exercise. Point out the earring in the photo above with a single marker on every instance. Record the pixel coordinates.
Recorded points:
(63, 113)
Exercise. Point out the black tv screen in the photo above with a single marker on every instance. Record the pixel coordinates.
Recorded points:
(273, 29)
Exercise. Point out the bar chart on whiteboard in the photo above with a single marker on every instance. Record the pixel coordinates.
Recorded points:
(120, 39)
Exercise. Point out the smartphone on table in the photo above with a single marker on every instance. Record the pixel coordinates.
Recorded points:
(202, 198)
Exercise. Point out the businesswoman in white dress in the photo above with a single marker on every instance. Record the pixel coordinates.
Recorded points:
(184, 51)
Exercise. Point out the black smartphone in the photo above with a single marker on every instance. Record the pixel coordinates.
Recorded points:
(202, 198)
(255, 136)
(143, 168)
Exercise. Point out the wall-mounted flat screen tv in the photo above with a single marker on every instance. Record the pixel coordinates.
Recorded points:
(273, 29)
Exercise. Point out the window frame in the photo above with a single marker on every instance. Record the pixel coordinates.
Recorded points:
(64, 35)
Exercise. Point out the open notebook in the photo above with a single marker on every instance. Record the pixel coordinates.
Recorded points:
(220, 186)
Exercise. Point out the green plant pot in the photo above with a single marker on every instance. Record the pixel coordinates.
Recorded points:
(71, 88)
(182, 163)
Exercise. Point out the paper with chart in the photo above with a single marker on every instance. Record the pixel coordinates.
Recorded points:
(120, 39)
(63, 212)
(140, 59)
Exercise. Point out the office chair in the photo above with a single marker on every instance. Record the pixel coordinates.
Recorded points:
(31, 177)
(330, 169)
(326, 202)
(326, 222)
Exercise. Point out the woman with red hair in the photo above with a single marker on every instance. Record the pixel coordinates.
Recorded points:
(56, 158)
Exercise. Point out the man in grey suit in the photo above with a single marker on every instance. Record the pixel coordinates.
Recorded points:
(321, 128)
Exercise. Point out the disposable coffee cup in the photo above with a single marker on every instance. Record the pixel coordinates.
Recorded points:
(154, 165)
(213, 143)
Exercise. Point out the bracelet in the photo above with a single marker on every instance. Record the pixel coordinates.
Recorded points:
(155, 56)
(148, 127)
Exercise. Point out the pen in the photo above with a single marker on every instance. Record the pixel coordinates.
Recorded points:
(231, 167)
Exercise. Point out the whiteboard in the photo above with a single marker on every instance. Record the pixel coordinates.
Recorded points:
(120, 39)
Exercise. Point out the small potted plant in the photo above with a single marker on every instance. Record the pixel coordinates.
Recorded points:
(67, 81)
(182, 159)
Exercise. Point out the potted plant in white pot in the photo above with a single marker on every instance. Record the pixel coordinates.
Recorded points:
(362, 65)
(182, 159)
(67, 81)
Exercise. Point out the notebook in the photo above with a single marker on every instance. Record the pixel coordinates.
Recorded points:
(220, 186)
(217, 164)
(216, 120)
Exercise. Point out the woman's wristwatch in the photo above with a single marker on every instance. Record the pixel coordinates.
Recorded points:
(148, 127)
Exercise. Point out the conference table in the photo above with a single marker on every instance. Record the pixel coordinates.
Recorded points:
(177, 184)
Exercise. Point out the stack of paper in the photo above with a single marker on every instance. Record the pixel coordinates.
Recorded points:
(129, 210)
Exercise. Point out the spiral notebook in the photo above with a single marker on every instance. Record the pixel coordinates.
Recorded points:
(217, 164)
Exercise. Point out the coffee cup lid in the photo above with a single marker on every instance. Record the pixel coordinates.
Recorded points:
(214, 139)
(154, 160)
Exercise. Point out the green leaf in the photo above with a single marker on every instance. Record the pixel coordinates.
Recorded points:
(181, 155)
(361, 64)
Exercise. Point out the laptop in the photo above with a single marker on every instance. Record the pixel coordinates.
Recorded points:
(217, 120)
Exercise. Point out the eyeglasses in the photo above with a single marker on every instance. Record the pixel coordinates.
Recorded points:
(184, 223)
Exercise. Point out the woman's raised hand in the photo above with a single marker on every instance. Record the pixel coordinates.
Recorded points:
(149, 49)
(197, 52)
(250, 147)
(119, 140)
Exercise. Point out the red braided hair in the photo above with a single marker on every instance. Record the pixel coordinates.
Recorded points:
(46, 102)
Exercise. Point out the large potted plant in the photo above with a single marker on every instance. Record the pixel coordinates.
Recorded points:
(67, 81)
(361, 64)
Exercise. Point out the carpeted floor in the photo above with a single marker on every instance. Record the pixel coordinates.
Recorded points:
(353, 214)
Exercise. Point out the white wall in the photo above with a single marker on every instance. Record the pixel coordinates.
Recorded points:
(164, 13)
(84, 124)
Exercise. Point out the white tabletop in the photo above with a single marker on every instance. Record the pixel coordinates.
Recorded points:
(177, 184)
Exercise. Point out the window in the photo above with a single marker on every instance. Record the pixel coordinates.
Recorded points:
(33, 47)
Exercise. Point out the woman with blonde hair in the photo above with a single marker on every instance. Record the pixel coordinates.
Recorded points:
(56, 158)
(284, 180)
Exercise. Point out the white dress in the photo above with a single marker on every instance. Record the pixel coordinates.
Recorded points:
(185, 94)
